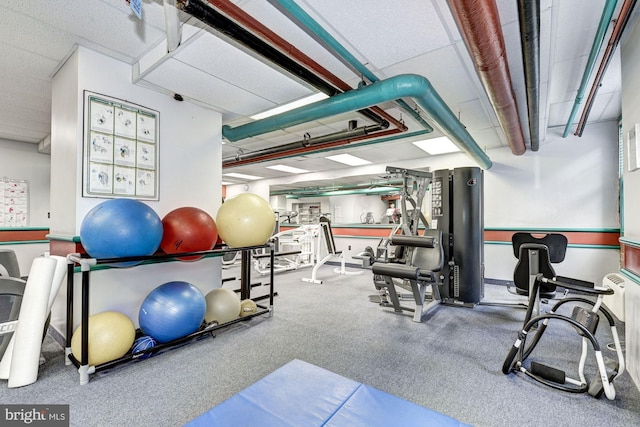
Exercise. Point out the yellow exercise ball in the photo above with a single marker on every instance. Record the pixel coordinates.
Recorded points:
(111, 335)
(245, 220)
(223, 305)
(247, 307)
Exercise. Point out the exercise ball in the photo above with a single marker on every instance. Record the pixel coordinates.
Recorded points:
(171, 311)
(188, 229)
(223, 305)
(111, 335)
(121, 228)
(143, 343)
(247, 307)
(245, 220)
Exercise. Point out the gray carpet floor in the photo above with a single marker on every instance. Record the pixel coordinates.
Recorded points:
(450, 363)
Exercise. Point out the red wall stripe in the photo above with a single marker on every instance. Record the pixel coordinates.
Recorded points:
(630, 258)
(595, 238)
(22, 235)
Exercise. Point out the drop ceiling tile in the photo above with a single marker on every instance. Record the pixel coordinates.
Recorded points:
(567, 75)
(443, 69)
(364, 30)
(241, 69)
(17, 62)
(276, 21)
(123, 35)
(23, 88)
(196, 84)
(613, 108)
(25, 117)
(570, 41)
(489, 138)
(559, 114)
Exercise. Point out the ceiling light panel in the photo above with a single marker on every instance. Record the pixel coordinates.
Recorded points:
(348, 159)
(285, 168)
(241, 176)
(291, 105)
(436, 146)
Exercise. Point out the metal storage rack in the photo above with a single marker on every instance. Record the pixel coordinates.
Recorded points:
(87, 264)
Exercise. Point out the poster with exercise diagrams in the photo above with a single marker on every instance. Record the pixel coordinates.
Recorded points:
(120, 149)
(14, 203)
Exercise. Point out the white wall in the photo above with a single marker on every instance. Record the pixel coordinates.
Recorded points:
(189, 159)
(22, 161)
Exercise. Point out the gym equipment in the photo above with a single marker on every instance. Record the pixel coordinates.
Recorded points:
(119, 228)
(11, 291)
(21, 359)
(535, 255)
(9, 266)
(188, 229)
(457, 209)
(302, 394)
(398, 249)
(141, 344)
(111, 335)
(367, 256)
(294, 249)
(171, 311)
(223, 305)
(248, 307)
(332, 252)
(585, 322)
(245, 220)
(427, 259)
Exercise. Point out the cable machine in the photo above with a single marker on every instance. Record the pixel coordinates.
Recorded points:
(448, 254)
(457, 209)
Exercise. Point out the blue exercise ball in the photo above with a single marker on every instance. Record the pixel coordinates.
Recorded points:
(171, 311)
(119, 228)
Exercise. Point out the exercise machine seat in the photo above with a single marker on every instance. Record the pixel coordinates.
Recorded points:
(535, 256)
(427, 258)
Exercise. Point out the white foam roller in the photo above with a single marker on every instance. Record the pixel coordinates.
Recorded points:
(58, 276)
(25, 357)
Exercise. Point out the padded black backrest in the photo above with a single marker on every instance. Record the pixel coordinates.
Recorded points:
(524, 269)
(556, 244)
(426, 257)
(325, 223)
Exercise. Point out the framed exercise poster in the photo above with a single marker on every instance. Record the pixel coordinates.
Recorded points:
(121, 147)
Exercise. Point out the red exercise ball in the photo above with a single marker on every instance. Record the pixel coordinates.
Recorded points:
(188, 229)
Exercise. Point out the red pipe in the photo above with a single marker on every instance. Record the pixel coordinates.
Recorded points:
(316, 147)
(614, 39)
(479, 24)
(250, 23)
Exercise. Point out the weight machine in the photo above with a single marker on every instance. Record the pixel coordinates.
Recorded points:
(326, 234)
(456, 231)
(296, 248)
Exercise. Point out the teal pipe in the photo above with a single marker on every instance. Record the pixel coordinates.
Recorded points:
(406, 85)
(297, 14)
(605, 19)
